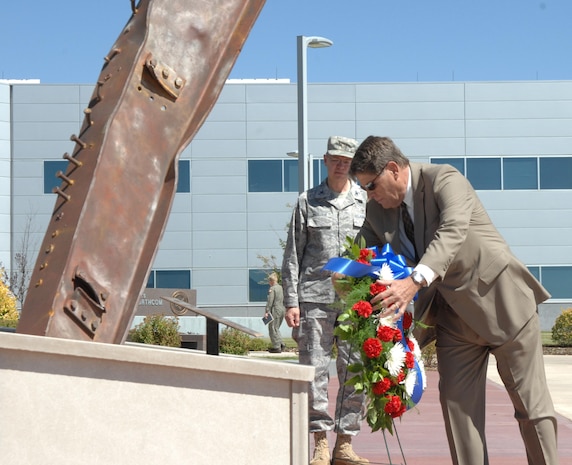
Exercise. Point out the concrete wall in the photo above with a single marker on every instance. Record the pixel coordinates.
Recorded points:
(70, 402)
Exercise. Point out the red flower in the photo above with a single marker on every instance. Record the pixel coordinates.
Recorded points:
(396, 335)
(400, 378)
(410, 344)
(385, 333)
(407, 320)
(394, 407)
(409, 360)
(372, 347)
(363, 308)
(366, 255)
(375, 288)
(381, 387)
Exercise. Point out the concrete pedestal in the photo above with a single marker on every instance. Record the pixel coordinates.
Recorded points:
(69, 402)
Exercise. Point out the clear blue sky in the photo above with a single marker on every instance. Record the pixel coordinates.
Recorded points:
(64, 41)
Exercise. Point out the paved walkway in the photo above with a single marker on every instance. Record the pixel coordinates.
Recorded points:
(422, 431)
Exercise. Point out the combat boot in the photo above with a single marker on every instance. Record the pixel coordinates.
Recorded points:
(344, 454)
(321, 449)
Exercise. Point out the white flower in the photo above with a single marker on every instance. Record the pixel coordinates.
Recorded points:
(385, 273)
(410, 381)
(423, 374)
(387, 321)
(416, 349)
(395, 359)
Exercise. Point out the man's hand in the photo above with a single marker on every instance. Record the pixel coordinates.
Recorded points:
(292, 317)
(396, 297)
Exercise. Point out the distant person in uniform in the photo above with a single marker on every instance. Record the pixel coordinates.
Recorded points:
(322, 219)
(275, 308)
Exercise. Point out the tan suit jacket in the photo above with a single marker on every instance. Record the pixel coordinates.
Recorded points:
(478, 276)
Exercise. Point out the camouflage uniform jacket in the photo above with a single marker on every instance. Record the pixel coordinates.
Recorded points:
(321, 221)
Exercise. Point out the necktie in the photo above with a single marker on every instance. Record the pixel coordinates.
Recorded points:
(408, 226)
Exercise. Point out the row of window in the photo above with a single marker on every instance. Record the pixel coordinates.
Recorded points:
(495, 173)
(490, 173)
(514, 173)
(556, 279)
(51, 180)
(280, 175)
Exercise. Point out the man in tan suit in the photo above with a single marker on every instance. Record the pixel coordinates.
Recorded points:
(476, 295)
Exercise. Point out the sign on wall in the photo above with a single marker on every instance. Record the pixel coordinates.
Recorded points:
(151, 302)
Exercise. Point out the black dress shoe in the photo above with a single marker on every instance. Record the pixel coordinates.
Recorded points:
(272, 350)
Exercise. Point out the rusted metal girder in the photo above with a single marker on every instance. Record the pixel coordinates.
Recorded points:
(158, 84)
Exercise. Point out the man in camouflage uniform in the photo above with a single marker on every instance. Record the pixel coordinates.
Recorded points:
(322, 219)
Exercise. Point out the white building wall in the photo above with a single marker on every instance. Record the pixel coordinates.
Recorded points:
(219, 229)
(5, 176)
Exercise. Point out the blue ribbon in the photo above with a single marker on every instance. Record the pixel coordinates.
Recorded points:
(359, 270)
(400, 271)
(418, 388)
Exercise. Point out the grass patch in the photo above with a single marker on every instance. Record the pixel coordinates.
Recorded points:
(547, 339)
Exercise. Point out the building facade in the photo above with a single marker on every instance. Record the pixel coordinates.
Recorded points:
(237, 185)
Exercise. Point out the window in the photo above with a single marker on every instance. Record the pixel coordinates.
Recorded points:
(319, 171)
(169, 279)
(290, 175)
(557, 279)
(484, 173)
(51, 169)
(556, 172)
(520, 173)
(258, 285)
(458, 163)
(535, 270)
(265, 176)
(184, 181)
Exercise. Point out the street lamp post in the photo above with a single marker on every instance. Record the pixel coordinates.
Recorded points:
(305, 174)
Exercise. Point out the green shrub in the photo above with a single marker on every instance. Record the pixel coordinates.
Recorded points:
(233, 341)
(8, 323)
(257, 344)
(562, 329)
(8, 308)
(429, 355)
(157, 330)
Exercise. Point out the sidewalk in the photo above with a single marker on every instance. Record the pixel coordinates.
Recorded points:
(421, 431)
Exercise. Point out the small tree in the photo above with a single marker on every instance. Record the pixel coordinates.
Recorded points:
(562, 329)
(158, 330)
(8, 309)
(18, 279)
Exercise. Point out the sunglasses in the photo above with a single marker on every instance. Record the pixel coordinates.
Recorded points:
(371, 185)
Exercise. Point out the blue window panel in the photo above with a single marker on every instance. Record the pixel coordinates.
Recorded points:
(557, 279)
(458, 163)
(184, 181)
(535, 270)
(556, 172)
(258, 285)
(50, 170)
(484, 173)
(520, 173)
(151, 280)
(320, 173)
(290, 175)
(265, 176)
(173, 279)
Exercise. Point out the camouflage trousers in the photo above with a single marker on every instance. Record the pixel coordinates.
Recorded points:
(315, 339)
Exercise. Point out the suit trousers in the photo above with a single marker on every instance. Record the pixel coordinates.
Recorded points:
(462, 362)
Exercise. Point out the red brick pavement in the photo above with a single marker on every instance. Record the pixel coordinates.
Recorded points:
(421, 432)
